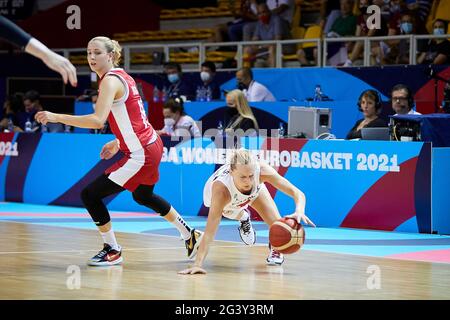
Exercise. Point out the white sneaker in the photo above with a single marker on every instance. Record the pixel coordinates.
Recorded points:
(275, 258)
(247, 233)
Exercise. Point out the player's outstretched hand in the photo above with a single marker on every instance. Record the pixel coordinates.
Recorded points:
(301, 217)
(45, 117)
(193, 270)
(60, 64)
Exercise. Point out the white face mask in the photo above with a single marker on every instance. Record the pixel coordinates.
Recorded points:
(169, 122)
(205, 76)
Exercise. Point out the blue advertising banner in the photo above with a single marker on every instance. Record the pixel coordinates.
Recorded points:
(354, 184)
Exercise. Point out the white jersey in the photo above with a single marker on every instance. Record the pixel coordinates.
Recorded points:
(239, 201)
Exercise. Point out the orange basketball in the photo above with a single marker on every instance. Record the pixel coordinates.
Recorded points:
(286, 235)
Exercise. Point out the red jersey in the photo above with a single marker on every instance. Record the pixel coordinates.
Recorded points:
(127, 118)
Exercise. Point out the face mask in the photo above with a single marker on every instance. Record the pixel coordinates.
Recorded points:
(438, 31)
(406, 27)
(264, 19)
(241, 86)
(173, 77)
(205, 76)
(169, 122)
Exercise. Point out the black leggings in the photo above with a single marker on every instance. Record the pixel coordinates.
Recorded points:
(102, 187)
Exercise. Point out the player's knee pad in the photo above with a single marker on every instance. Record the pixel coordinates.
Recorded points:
(149, 199)
(95, 207)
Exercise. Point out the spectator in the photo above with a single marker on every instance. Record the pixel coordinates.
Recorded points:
(345, 25)
(369, 103)
(269, 27)
(234, 30)
(398, 51)
(11, 106)
(284, 9)
(207, 75)
(402, 100)
(178, 87)
(362, 30)
(239, 114)
(176, 121)
(253, 91)
(329, 12)
(436, 51)
(32, 105)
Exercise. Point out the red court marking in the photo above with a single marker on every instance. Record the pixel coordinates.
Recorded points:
(442, 256)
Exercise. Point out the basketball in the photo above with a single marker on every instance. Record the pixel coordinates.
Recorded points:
(286, 235)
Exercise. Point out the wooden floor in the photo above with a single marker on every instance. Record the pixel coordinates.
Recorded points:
(35, 260)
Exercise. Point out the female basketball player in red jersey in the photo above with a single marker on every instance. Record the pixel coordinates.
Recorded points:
(235, 186)
(119, 103)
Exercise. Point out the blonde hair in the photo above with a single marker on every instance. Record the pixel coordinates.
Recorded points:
(111, 46)
(241, 156)
(243, 109)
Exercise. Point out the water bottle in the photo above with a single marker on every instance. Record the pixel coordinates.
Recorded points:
(44, 128)
(220, 128)
(281, 130)
(318, 93)
(164, 94)
(10, 125)
(208, 94)
(197, 94)
(28, 127)
(67, 128)
(155, 94)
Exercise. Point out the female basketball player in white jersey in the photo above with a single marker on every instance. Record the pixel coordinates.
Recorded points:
(235, 186)
(119, 103)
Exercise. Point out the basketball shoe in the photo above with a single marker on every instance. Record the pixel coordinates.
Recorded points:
(193, 243)
(106, 257)
(247, 233)
(275, 258)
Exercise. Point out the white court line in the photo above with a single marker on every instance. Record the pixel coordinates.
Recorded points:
(124, 250)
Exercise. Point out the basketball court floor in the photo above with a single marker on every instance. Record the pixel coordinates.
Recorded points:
(44, 249)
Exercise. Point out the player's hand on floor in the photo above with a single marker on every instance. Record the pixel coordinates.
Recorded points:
(193, 270)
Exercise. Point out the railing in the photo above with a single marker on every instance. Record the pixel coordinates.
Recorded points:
(201, 49)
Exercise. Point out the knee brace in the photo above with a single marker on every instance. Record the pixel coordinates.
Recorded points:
(95, 206)
(144, 196)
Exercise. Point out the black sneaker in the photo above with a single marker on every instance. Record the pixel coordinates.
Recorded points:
(106, 257)
(193, 243)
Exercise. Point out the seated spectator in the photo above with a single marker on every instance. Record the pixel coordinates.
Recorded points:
(369, 103)
(11, 106)
(397, 51)
(32, 105)
(402, 100)
(207, 75)
(362, 30)
(329, 12)
(253, 91)
(239, 114)
(269, 27)
(244, 17)
(176, 121)
(343, 26)
(178, 86)
(435, 51)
